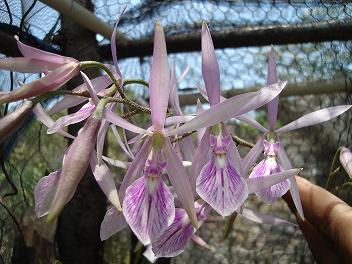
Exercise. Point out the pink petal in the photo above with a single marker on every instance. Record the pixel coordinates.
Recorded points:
(230, 108)
(174, 97)
(46, 120)
(101, 139)
(173, 120)
(121, 143)
(115, 119)
(264, 219)
(26, 65)
(67, 102)
(49, 82)
(117, 163)
(44, 193)
(105, 180)
(187, 148)
(174, 102)
(272, 78)
(200, 132)
(159, 80)
(134, 171)
(89, 85)
(148, 208)
(252, 156)
(252, 122)
(30, 52)
(99, 84)
(200, 242)
(315, 117)
(282, 155)
(210, 67)
(201, 157)
(233, 153)
(221, 186)
(113, 43)
(346, 160)
(82, 114)
(180, 181)
(174, 240)
(267, 167)
(259, 183)
(113, 222)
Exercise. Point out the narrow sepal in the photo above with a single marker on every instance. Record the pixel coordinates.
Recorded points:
(263, 218)
(105, 180)
(252, 156)
(272, 78)
(260, 183)
(210, 67)
(285, 161)
(159, 80)
(180, 180)
(315, 117)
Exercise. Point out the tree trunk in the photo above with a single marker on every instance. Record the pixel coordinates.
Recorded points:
(79, 224)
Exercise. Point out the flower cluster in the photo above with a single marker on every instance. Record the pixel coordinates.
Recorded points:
(173, 182)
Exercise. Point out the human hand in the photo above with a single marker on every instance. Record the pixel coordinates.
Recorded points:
(328, 223)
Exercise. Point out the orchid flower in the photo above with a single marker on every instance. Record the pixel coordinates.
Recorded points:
(148, 204)
(217, 165)
(275, 156)
(59, 70)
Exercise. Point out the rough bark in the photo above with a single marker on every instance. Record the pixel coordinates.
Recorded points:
(79, 224)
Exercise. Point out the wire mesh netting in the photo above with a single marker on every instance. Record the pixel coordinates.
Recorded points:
(312, 65)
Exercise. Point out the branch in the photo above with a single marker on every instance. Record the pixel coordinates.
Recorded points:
(239, 37)
(307, 88)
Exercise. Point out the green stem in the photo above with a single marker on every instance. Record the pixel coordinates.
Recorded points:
(126, 100)
(241, 141)
(92, 64)
(135, 81)
(333, 171)
(129, 114)
(183, 136)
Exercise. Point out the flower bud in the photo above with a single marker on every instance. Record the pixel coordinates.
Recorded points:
(346, 160)
(74, 166)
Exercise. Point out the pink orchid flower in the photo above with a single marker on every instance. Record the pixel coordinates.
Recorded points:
(276, 158)
(59, 70)
(217, 166)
